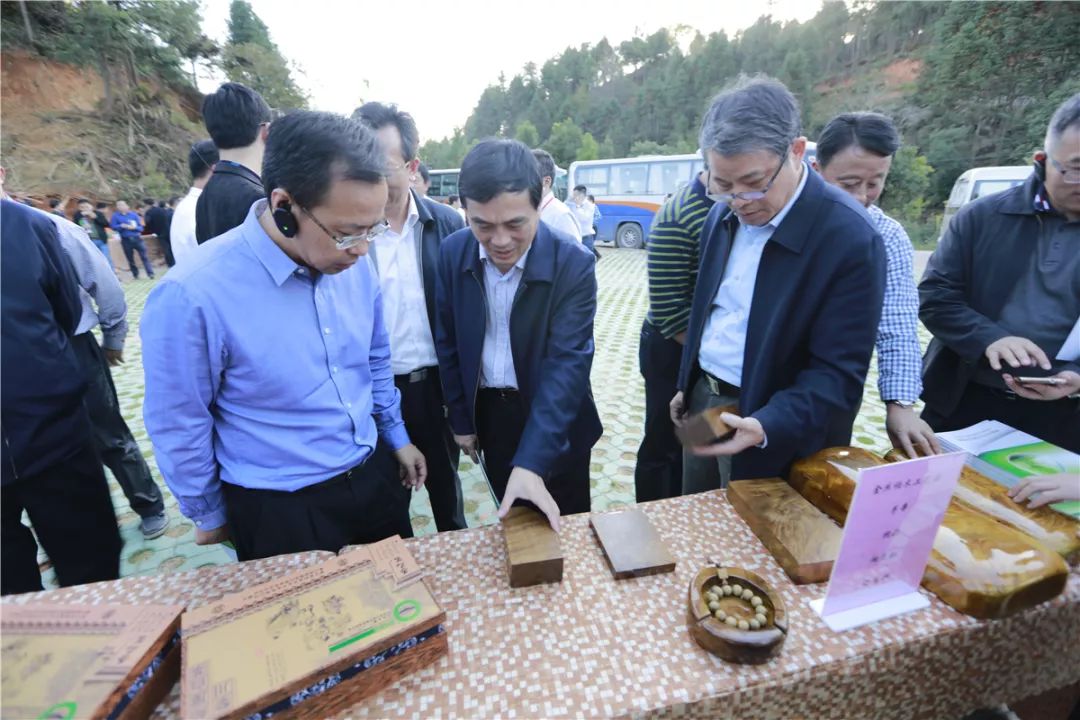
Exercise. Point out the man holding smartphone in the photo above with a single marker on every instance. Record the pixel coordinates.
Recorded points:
(1001, 296)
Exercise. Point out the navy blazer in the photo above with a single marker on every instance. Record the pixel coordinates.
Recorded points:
(551, 340)
(813, 320)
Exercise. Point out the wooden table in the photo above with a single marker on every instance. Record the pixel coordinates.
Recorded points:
(594, 646)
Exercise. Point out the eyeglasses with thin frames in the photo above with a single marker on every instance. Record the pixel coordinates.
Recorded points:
(1070, 175)
(749, 195)
(348, 241)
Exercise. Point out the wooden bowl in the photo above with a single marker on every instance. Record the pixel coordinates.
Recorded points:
(731, 643)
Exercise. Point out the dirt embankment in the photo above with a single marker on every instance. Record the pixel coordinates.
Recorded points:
(58, 140)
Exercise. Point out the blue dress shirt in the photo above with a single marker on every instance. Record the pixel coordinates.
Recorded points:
(497, 359)
(723, 343)
(261, 375)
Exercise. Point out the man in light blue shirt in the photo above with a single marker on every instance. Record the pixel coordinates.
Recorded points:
(268, 377)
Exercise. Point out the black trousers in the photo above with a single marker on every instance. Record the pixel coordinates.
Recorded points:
(425, 420)
(363, 505)
(500, 419)
(166, 246)
(112, 438)
(1056, 422)
(72, 514)
(132, 246)
(658, 473)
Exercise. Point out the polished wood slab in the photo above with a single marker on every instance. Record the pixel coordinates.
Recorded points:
(534, 553)
(631, 544)
(705, 427)
(801, 538)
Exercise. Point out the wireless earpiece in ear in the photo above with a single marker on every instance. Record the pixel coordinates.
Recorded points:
(285, 220)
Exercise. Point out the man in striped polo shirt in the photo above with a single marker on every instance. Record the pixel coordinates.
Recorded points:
(673, 266)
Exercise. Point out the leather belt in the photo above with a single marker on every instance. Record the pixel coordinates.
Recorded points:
(506, 393)
(415, 376)
(719, 387)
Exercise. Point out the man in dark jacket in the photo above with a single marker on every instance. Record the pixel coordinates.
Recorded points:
(96, 226)
(405, 259)
(156, 219)
(787, 299)
(517, 384)
(237, 119)
(1001, 295)
(49, 466)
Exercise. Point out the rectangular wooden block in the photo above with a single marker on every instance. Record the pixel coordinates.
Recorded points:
(706, 427)
(631, 544)
(533, 552)
(803, 539)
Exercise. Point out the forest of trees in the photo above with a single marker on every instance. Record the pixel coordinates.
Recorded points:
(989, 75)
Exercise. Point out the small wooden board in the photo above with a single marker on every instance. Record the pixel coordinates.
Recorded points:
(631, 544)
(533, 552)
(803, 539)
(706, 427)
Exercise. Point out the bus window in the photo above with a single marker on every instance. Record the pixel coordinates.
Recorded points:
(668, 177)
(629, 179)
(593, 177)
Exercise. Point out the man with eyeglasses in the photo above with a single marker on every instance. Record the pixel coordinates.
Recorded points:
(237, 119)
(406, 257)
(787, 298)
(1001, 295)
(270, 397)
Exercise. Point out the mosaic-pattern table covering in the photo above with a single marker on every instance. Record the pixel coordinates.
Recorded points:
(592, 646)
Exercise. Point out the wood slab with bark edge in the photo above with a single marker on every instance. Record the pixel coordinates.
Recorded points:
(534, 553)
(802, 539)
(750, 647)
(631, 545)
(979, 566)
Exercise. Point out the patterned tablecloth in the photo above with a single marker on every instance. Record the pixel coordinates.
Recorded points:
(593, 646)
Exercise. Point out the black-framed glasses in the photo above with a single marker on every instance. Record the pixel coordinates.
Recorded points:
(348, 241)
(1070, 175)
(749, 195)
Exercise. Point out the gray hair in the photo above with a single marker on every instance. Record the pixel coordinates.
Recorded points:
(1066, 116)
(757, 113)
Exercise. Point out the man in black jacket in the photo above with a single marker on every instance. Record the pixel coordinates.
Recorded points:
(1001, 296)
(49, 467)
(156, 221)
(238, 119)
(405, 259)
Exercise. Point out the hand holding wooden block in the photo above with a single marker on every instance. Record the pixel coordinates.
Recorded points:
(706, 427)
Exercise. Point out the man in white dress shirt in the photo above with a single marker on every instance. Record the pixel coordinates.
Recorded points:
(554, 211)
(201, 160)
(405, 260)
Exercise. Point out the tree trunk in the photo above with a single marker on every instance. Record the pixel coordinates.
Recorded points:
(26, 21)
(194, 76)
(106, 76)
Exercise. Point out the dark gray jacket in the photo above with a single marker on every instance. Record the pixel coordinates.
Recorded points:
(980, 259)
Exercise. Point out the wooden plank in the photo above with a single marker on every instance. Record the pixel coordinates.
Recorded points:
(533, 552)
(706, 427)
(801, 538)
(631, 544)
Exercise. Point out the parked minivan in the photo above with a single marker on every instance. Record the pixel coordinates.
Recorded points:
(980, 182)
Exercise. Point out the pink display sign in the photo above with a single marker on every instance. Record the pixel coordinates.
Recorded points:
(890, 530)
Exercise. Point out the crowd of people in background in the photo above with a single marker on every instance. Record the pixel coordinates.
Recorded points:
(331, 339)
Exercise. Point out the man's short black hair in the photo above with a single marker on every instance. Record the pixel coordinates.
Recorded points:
(870, 131)
(452, 199)
(377, 116)
(581, 189)
(101, 205)
(54, 203)
(1066, 116)
(306, 151)
(233, 114)
(148, 202)
(494, 167)
(80, 201)
(174, 199)
(424, 172)
(546, 163)
(201, 158)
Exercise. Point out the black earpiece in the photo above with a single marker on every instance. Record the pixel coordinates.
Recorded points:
(285, 220)
(1040, 166)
